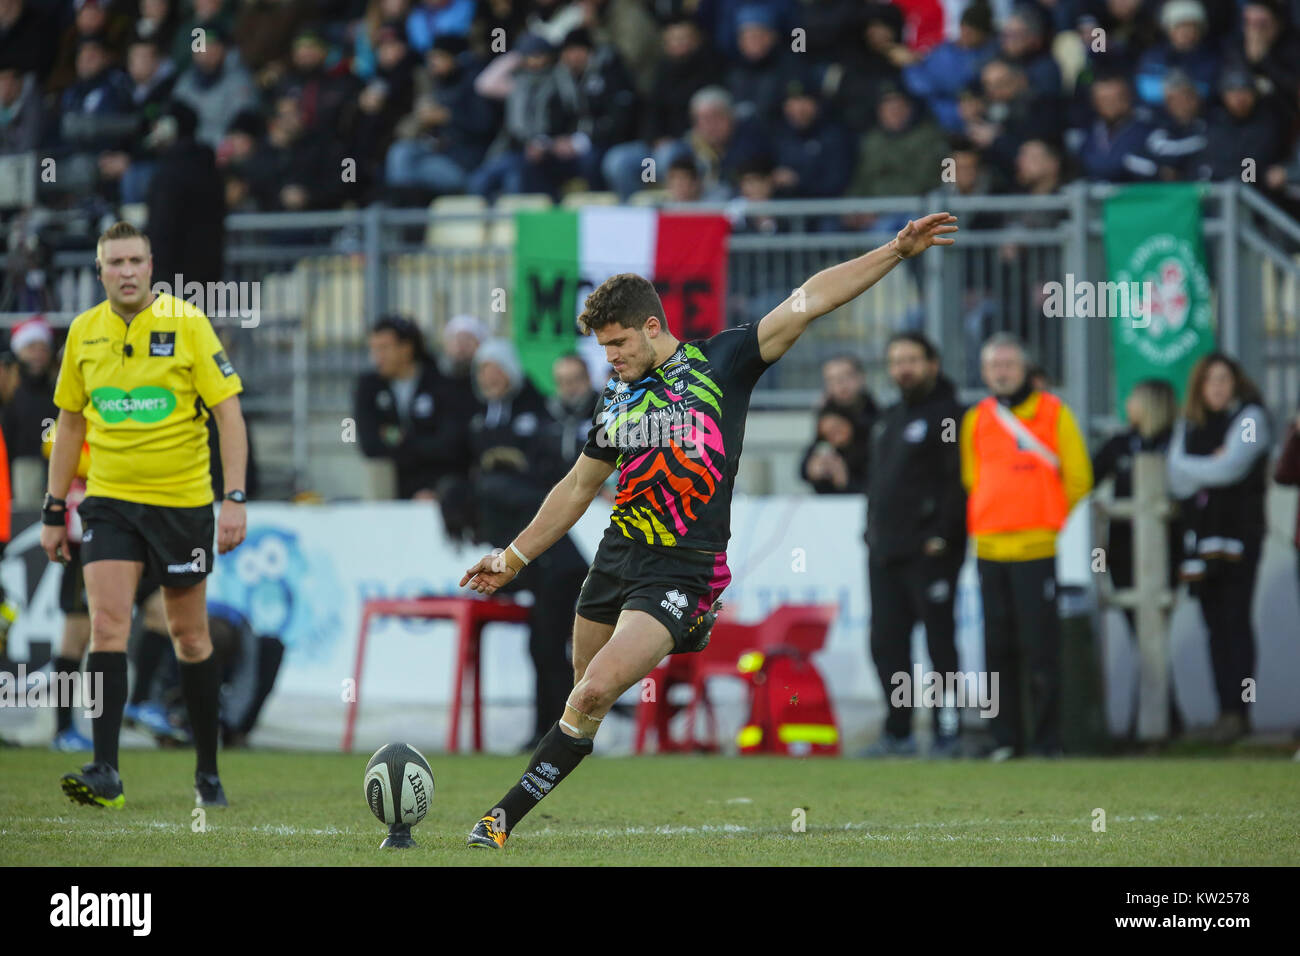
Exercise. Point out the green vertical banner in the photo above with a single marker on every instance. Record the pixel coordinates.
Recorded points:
(543, 320)
(1153, 242)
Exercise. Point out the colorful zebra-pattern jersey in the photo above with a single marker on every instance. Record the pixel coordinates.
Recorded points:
(675, 437)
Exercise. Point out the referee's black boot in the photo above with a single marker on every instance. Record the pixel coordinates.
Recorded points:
(98, 785)
(208, 791)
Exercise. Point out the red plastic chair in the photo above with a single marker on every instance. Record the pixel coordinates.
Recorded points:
(471, 615)
(794, 629)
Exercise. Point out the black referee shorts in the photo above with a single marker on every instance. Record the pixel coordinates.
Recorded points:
(175, 545)
(673, 585)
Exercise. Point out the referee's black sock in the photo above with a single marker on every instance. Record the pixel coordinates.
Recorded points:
(153, 645)
(62, 670)
(107, 727)
(201, 685)
(552, 761)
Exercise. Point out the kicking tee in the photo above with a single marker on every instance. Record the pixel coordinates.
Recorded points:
(145, 388)
(675, 437)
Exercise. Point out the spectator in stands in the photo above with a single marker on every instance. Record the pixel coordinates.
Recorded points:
(629, 28)
(1127, 27)
(158, 21)
(1025, 466)
(1178, 135)
(263, 31)
(209, 16)
(187, 203)
(1013, 112)
(216, 85)
(405, 412)
(588, 106)
(902, 155)
(1288, 471)
(853, 86)
(835, 462)
(295, 170)
(684, 184)
(720, 19)
(516, 461)
(29, 37)
(29, 411)
(234, 156)
(1185, 47)
(91, 18)
(718, 142)
(757, 80)
(1038, 173)
(430, 19)
(916, 534)
(388, 96)
(1151, 408)
(522, 78)
(379, 13)
(1218, 471)
(813, 153)
(1269, 50)
(970, 175)
(1025, 43)
(447, 134)
(461, 337)
(573, 404)
(687, 66)
(327, 100)
(152, 78)
(756, 184)
(20, 111)
(1114, 148)
(939, 77)
(95, 115)
(1243, 140)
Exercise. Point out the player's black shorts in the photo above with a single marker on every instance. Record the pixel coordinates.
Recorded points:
(176, 545)
(674, 585)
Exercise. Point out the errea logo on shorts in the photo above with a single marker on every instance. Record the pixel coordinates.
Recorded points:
(674, 601)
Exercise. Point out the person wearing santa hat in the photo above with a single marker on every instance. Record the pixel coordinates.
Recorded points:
(30, 409)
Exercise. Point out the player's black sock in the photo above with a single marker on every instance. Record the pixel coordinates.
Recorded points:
(552, 761)
(201, 685)
(107, 727)
(62, 670)
(153, 645)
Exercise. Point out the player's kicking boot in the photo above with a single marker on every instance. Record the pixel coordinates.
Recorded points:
(98, 785)
(486, 833)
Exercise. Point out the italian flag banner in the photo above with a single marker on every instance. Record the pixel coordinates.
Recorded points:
(561, 255)
(1154, 247)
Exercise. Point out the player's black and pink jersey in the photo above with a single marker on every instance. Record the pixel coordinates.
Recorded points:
(676, 437)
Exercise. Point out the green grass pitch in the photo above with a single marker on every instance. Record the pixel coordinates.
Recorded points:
(294, 809)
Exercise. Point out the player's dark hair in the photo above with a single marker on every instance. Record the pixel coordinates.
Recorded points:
(626, 299)
(406, 331)
(918, 339)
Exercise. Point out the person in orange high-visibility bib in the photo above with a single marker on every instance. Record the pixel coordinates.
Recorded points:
(1025, 465)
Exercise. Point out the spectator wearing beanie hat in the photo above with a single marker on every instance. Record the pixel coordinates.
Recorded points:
(1185, 47)
(32, 403)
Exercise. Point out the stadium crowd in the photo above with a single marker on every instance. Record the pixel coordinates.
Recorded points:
(312, 105)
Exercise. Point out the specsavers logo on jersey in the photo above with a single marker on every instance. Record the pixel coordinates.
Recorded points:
(147, 404)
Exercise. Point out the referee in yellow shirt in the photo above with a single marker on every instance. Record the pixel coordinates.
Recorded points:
(145, 371)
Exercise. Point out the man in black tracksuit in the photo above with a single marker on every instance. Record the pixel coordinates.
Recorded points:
(916, 535)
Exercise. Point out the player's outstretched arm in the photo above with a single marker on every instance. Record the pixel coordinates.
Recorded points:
(838, 284)
(559, 512)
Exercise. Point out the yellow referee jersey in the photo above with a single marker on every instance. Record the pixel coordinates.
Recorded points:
(145, 389)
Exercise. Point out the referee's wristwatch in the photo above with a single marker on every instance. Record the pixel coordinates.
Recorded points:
(237, 496)
(53, 510)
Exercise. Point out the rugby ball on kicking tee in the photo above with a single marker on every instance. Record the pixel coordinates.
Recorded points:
(398, 784)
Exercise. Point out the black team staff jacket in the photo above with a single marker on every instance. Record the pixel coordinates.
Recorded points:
(915, 492)
(435, 443)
